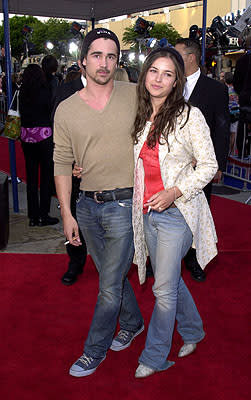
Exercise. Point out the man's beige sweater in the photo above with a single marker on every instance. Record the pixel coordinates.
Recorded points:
(99, 141)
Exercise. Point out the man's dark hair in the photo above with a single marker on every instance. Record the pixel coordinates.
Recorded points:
(192, 46)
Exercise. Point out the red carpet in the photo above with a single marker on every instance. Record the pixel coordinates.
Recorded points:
(5, 160)
(44, 324)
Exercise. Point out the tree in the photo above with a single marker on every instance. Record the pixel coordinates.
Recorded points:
(159, 31)
(54, 30)
(58, 32)
(16, 37)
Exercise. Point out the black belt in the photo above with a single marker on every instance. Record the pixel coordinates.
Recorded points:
(110, 195)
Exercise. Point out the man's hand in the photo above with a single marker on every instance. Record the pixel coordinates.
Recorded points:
(63, 186)
(218, 176)
(71, 230)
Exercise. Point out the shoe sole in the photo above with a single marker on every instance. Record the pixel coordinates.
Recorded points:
(80, 374)
(119, 348)
(72, 281)
(68, 283)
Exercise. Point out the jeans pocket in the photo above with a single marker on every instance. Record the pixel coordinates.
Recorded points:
(125, 203)
(173, 212)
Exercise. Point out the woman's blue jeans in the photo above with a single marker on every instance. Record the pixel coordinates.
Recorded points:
(168, 239)
(107, 229)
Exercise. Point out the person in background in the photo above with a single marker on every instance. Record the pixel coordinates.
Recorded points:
(87, 130)
(77, 254)
(222, 77)
(121, 75)
(50, 66)
(170, 210)
(15, 82)
(242, 86)
(133, 73)
(37, 144)
(72, 75)
(211, 97)
(234, 110)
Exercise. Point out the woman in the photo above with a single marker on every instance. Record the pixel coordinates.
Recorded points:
(170, 211)
(37, 143)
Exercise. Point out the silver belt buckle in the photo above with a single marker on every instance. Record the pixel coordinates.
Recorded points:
(95, 198)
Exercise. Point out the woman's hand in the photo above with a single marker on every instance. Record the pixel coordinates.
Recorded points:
(77, 171)
(162, 200)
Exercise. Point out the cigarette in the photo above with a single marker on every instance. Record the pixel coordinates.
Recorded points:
(67, 241)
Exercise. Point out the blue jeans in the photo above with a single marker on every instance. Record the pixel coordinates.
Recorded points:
(107, 229)
(168, 239)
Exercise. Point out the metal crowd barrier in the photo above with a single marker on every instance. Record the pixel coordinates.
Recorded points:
(238, 171)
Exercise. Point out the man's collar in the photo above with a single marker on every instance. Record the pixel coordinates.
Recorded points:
(194, 75)
(83, 80)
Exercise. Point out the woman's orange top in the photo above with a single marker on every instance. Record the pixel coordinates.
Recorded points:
(153, 180)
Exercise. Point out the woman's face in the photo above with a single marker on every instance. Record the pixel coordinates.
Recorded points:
(161, 78)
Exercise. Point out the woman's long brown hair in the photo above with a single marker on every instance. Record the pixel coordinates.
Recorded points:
(173, 106)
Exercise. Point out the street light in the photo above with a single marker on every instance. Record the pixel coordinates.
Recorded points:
(131, 56)
(49, 45)
(73, 47)
(142, 57)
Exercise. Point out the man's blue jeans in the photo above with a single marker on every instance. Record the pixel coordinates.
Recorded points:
(107, 229)
(168, 239)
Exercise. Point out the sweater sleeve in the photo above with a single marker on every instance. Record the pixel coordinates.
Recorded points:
(63, 154)
(203, 152)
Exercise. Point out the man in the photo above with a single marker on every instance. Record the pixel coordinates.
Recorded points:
(77, 254)
(242, 86)
(211, 97)
(93, 128)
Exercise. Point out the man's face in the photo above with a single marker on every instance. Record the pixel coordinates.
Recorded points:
(101, 61)
(184, 52)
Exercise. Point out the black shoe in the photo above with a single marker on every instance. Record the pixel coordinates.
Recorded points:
(33, 222)
(71, 275)
(48, 221)
(196, 272)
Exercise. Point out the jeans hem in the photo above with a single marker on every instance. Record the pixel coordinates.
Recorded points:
(194, 341)
(129, 329)
(94, 355)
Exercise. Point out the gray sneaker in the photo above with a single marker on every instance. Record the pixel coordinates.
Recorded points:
(124, 339)
(85, 366)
